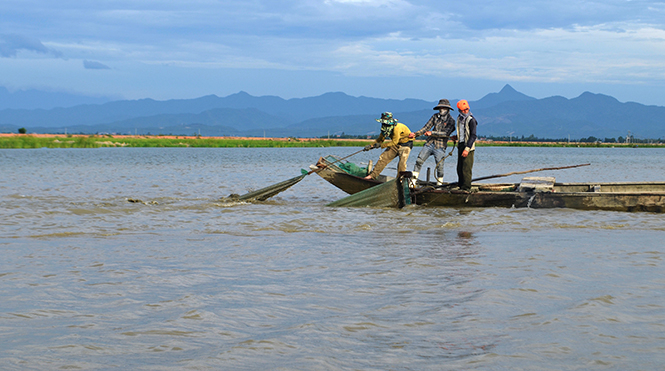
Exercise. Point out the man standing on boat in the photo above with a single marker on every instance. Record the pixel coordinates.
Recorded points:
(437, 130)
(466, 131)
(399, 144)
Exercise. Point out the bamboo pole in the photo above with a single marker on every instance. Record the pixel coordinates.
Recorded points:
(527, 171)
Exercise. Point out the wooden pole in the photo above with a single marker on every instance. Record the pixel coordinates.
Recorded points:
(527, 171)
(336, 161)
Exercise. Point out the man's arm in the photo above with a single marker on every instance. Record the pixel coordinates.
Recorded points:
(428, 126)
(448, 128)
(472, 134)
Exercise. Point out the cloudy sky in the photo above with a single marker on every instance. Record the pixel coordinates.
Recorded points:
(165, 49)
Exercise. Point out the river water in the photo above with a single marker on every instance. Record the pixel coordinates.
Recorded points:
(183, 280)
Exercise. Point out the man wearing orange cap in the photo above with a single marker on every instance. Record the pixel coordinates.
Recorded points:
(466, 131)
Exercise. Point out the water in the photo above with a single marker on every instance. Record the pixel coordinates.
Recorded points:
(182, 280)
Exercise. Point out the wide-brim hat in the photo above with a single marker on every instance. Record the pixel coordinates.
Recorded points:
(443, 103)
(387, 119)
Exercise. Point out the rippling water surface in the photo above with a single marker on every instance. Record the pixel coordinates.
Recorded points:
(183, 280)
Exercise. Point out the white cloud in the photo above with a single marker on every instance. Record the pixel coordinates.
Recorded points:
(93, 65)
(596, 54)
(12, 44)
(614, 41)
(372, 3)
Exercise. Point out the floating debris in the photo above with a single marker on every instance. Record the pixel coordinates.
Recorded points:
(137, 201)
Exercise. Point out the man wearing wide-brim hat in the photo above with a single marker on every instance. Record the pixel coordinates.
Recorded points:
(437, 130)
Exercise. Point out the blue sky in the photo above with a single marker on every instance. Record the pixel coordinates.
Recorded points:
(399, 49)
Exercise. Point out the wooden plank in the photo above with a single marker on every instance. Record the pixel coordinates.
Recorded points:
(537, 184)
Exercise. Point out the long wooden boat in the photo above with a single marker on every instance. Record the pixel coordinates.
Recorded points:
(533, 192)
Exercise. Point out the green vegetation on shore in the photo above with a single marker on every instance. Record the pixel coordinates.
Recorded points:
(570, 144)
(97, 141)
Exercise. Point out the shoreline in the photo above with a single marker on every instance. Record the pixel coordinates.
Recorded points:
(119, 136)
(18, 141)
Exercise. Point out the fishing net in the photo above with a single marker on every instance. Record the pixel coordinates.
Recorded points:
(267, 192)
(393, 193)
(346, 166)
(354, 169)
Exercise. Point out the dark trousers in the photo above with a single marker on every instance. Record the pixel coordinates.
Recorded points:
(464, 167)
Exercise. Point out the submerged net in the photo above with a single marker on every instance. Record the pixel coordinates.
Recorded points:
(269, 191)
(393, 193)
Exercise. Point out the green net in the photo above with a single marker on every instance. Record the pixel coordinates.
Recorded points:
(353, 169)
(269, 191)
(393, 193)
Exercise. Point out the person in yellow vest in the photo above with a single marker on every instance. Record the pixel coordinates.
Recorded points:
(398, 144)
(466, 147)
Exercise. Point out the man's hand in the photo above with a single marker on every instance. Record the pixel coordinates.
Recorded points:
(465, 153)
(371, 146)
(412, 135)
(428, 133)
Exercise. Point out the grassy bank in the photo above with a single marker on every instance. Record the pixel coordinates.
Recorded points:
(96, 141)
(17, 141)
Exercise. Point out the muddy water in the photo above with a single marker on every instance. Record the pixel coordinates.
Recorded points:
(182, 280)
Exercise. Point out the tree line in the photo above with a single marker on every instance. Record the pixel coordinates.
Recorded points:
(530, 138)
(590, 139)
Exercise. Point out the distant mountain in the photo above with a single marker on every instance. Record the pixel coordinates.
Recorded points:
(507, 94)
(326, 105)
(36, 99)
(589, 114)
(506, 113)
(105, 113)
(218, 122)
(239, 119)
(291, 111)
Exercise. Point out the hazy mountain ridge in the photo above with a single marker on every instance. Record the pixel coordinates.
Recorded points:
(507, 94)
(36, 99)
(506, 113)
(558, 117)
(293, 110)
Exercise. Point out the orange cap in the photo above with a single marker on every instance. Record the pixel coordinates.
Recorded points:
(462, 105)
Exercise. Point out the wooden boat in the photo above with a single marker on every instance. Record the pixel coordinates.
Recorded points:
(329, 169)
(533, 192)
(646, 196)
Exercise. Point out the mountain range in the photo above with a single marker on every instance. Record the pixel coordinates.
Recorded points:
(32, 99)
(504, 113)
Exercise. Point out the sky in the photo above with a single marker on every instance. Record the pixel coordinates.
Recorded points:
(168, 49)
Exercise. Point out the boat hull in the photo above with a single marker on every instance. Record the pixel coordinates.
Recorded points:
(601, 201)
(616, 196)
(348, 183)
(613, 201)
(393, 193)
(465, 199)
